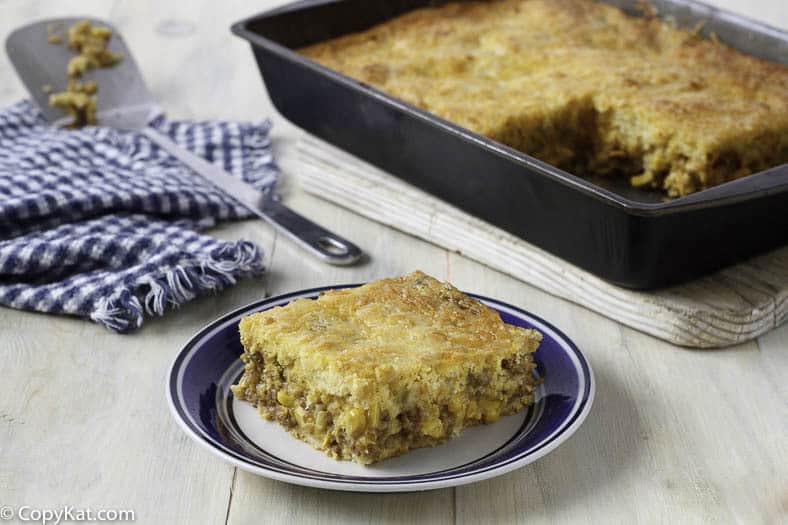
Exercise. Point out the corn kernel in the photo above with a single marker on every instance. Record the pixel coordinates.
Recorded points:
(321, 419)
(285, 399)
(432, 427)
(374, 415)
(491, 410)
(299, 414)
(77, 66)
(356, 421)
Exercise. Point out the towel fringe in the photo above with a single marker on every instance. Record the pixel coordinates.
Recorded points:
(192, 276)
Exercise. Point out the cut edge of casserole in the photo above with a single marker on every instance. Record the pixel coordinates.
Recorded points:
(369, 373)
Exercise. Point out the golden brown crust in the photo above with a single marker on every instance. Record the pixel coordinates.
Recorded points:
(371, 372)
(583, 86)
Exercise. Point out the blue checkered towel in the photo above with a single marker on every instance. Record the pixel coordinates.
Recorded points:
(103, 224)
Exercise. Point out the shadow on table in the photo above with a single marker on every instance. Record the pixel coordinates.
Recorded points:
(580, 470)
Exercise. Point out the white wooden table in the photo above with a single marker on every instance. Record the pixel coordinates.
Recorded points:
(675, 435)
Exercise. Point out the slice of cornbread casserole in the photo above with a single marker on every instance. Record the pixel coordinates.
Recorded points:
(583, 86)
(371, 372)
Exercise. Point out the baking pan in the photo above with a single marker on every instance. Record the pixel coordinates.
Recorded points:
(624, 235)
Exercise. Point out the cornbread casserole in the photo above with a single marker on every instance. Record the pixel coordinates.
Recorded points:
(583, 86)
(371, 372)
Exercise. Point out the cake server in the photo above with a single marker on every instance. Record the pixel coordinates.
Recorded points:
(125, 102)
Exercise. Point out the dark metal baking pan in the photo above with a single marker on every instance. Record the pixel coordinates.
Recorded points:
(623, 235)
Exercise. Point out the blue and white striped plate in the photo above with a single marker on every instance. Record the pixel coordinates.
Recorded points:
(199, 395)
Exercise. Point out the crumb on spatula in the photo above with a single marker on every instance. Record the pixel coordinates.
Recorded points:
(90, 42)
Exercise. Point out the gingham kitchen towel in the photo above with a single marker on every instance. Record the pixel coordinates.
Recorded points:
(103, 224)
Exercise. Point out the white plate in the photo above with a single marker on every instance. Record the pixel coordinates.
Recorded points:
(199, 394)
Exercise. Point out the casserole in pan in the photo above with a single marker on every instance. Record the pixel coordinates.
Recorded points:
(626, 235)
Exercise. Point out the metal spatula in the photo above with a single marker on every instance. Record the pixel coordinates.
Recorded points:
(124, 102)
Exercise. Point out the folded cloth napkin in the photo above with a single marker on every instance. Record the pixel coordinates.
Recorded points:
(103, 224)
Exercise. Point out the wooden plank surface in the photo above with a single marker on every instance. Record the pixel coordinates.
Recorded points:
(675, 435)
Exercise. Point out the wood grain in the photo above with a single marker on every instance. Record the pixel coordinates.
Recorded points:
(669, 433)
(675, 435)
(732, 306)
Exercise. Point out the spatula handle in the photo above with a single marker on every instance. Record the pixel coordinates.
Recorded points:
(315, 239)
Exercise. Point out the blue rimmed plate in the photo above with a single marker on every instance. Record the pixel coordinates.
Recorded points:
(198, 390)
